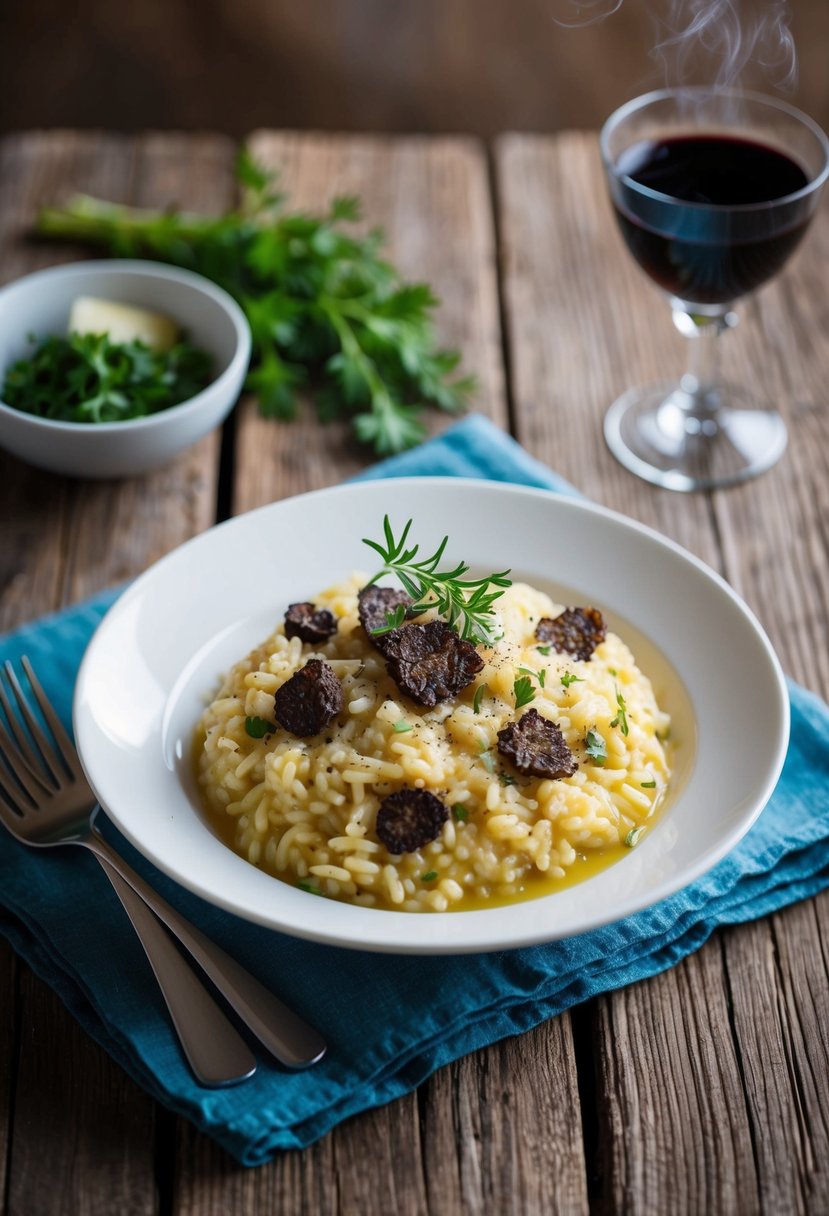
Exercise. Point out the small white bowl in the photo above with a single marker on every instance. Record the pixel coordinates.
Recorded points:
(39, 305)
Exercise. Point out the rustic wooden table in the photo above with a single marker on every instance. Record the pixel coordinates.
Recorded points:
(703, 1090)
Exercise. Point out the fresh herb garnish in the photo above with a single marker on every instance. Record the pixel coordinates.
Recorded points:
(523, 691)
(465, 603)
(479, 696)
(612, 671)
(545, 650)
(621, 719)
(541, 676)
(633, 836)
(323, 306)
(430, 877)
(400, 727)
(460, 813)
(570, 678)
(257, 728)
(507, 779)
(88, 378)
(647, 785)
(309, 887)
(595, 747)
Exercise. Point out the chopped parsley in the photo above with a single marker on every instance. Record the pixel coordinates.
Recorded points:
(569, 678)
(621, 719)
(523, 691)
(648, 785)
(479, 695)
(257, 728)
(506, 779)
(400, 727)
(89, 378)
(632, 837)
(595, 747)
(545, 650)
(460, 813)
(430, 877)
(309, 887)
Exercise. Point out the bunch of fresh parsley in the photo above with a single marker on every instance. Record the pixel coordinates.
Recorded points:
(88, 378)
(326, 311)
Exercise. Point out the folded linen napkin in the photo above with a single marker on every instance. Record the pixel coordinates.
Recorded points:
(390, 1022)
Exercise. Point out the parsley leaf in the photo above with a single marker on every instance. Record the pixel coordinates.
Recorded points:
(523, 692)
(545, 650)
(401, 726)
(595, 747)
(430, 877)
(621, 719)
(647, 785)
(570, 678)
(460, 812)
(257, 728)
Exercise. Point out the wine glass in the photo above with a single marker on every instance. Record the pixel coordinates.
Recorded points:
(712, 192)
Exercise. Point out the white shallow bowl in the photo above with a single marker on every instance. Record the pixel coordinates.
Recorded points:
(40, 304)
(160, 651)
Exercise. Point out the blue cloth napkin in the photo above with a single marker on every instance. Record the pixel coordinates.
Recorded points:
(390, 1022)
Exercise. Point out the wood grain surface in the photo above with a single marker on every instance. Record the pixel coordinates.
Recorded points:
(701, 1090)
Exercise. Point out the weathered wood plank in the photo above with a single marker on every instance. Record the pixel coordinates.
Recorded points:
(432, 199)
(502, 1132)
(72, 538)
(675, 1132)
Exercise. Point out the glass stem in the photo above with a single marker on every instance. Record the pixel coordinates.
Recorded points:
(700, 386)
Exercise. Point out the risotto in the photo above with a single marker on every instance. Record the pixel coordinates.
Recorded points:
(307, 809)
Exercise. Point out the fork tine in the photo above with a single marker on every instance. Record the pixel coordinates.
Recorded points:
(21, 748)
(64, 744)
(48, 756)
(13, 798)
(15, 764)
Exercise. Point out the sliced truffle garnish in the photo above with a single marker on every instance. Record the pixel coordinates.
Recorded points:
(430, 662)
(309, 623)
(575, 631)
(410, 819)
(374, 606)
(536, 745)
(309, 700)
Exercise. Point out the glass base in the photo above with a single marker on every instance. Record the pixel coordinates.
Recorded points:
(653, 432)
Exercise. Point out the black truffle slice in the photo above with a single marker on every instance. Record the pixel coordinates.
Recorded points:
(309, 623)
(410, 819)
(374, 604)
(430, 662)
(536, 745)
(309, 700)
(575, 631)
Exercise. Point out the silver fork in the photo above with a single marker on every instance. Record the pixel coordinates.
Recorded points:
(45, 800)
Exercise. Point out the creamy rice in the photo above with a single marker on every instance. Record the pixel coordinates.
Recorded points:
(304, 810)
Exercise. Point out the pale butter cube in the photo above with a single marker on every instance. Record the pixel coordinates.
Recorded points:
(123, 323)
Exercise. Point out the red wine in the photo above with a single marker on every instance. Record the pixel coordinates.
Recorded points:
(688, 210)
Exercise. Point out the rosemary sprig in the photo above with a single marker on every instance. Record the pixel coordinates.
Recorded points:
(465, 603)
